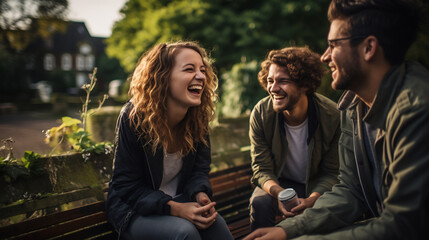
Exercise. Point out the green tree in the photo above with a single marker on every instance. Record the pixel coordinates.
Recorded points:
(230, 29)
(234, 31)
(23, 20)
(241, 90)
(12, 80)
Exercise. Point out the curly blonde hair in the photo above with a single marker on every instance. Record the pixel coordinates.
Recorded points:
(149, 91)
(303, 66)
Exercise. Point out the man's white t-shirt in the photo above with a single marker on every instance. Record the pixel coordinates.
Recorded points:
(295, 168)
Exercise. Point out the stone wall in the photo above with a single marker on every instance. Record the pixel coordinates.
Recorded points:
(63, 173)
(101, 124)
(55, 174)
(229, 134)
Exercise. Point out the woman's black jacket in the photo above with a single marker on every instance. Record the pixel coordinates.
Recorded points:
(137, 175)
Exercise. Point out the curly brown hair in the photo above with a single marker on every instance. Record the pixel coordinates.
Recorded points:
(303, 66)
(149, 91)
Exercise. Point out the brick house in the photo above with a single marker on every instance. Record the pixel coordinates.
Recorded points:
(64, 59)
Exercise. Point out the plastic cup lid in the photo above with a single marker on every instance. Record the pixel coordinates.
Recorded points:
(287, 194)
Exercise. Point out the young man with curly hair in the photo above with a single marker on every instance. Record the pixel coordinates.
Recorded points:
(294, 135)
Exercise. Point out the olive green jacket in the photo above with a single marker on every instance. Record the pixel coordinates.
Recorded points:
(400, 112)
(267, 139)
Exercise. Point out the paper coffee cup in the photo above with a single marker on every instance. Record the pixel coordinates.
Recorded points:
(289, 198)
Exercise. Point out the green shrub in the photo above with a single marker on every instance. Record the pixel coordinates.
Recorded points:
(240, 89)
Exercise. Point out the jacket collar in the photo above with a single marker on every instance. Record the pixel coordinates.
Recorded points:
(384, 98)
(348, 100)
(386, 95)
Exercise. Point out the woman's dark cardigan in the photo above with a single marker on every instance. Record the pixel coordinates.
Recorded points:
(137, 176)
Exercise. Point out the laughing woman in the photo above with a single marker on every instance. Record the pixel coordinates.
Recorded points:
(160, 187)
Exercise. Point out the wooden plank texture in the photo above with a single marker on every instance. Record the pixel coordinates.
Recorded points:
(232, 190)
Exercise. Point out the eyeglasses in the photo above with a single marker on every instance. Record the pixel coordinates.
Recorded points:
(332, 42)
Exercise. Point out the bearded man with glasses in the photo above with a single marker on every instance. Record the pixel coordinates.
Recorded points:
(384, 160)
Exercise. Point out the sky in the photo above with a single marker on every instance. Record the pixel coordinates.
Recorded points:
(98, 15)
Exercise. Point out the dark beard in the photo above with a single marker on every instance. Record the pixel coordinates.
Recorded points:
(351, 75)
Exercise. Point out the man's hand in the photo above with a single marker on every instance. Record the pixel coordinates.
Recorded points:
(305, 203)
(272, 233)
(194, 213)
(285, 213)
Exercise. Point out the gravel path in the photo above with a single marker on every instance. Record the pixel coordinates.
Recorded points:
(26, 130)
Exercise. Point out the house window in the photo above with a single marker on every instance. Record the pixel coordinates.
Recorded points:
(49, 62)
(80, 62)
(85, 48)
(89, 62)
(66, 62)
(81, 78)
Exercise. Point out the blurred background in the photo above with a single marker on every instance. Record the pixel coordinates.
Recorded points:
(48, 48)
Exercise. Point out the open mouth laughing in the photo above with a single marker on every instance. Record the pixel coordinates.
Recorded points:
(333, 70)
(195, 89)
(278, 97)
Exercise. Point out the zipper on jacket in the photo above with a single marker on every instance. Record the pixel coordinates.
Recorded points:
(150, 171)
(308, 169)
(127, 218)
(354, 121)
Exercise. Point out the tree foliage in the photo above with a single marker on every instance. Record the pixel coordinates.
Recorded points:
(230, 29)
(241, 89)
(23, 20)
(236, 32)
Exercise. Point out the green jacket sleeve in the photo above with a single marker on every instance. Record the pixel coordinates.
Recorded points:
(337, 208)
(262, 163)
(404, 187)
(327, 172)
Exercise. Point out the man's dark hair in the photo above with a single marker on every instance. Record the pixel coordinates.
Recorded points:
(303, 66)
(394, 23)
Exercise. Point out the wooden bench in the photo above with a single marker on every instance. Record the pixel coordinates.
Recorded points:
(231, 187)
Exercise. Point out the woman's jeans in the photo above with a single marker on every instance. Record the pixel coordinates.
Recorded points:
(174, 228)
(169, 228)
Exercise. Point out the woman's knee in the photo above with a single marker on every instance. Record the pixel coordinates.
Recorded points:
(219, 224)
(187, 231)
(161, 227)
(218, 230)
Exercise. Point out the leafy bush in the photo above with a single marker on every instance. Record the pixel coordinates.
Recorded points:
(72, 134)
(240, 90)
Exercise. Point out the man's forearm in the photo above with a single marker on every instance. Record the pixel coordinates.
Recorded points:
(272, 188)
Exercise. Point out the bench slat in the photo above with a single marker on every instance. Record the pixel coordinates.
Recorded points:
(223, 196)
(51, 219)
(61, 229)
(102, 230)
(232, 215)
(52, 201)
(231, 187)
(229, 170)
(240, 228)
(228, 176)
(233, 184)
(109, 236)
